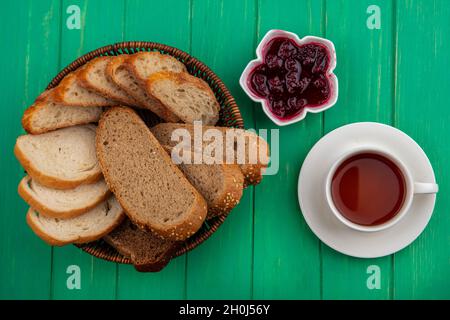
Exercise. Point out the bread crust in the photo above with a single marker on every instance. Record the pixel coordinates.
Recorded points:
(27, 119)
(59, 93)
(160, 264)
(198, 210)
(49, 181)
(85, 82)
(130, 65)
(24, 192)
(154, 106)
(55, 242)
(232, 193)
(31, 111)
(234, 185)
(181, 78)
(113, 65)
(253, 173)
(155, 266)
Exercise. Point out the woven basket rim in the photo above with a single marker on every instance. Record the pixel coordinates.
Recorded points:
(100, 249)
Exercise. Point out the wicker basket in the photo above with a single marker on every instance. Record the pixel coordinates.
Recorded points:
(229, 117)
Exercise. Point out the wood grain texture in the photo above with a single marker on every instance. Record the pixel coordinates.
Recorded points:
(167, 22)
(101, 24)
(422, 111)
(26, 64)
(364, 69)
(222, 267)
(286, 253)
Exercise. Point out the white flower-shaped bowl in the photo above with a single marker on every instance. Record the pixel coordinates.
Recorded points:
(260, 53)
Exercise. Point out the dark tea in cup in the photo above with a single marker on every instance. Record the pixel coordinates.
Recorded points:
(368, 189)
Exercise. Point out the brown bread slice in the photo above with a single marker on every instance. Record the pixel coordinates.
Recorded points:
(70, 92)
(220, 184)
(188, 97)
(118, 73)
(45, 115)
(252, 172)
(151, 189)
(147, 251)
(93, 77)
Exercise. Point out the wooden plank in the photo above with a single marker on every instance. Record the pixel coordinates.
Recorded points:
(286, 253)
(166, 22)
(364, 69)
(221, 268)
(422, 104)
(101, 24)
(27, 63)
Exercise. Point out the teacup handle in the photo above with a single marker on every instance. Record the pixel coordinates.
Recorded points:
(424, 187)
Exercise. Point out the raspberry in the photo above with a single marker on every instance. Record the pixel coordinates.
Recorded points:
(273, 61)
(275, 85)
(286, 49)
(259, 81)
(293, 65)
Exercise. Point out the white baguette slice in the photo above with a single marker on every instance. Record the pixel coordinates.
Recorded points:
(44, 116)
(118, 72)
(62, 204)
(93, 77)
(70, 92)
(87, 227)
(60, 159)
(188, 97)
(144, 64)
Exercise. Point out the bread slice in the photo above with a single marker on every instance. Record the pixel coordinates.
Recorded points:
(93, 77)
(152, 190)
(70, 92)
(45, 115)
(188, 97)
(252, 170)
(118, 73)
(87, 227)
(147, 251)
(144, 64)
(60, 159)
(62, 204)
(220, 184)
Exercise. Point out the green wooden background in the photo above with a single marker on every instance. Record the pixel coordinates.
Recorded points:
(396, 75)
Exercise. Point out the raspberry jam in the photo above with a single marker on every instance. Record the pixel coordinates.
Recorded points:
(292, 77)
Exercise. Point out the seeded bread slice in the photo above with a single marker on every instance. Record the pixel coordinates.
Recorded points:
(147, 251)
(62, 204)
(60, 159)
(93, 77)
(118, 73)
(220, 184)
(87, 227)
(152, 190)
(70, 92)
(252, 167)
(45, 115)
(188, 97)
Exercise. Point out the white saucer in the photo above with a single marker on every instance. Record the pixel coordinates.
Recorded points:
(318, 216)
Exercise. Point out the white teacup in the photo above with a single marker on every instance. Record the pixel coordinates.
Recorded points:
(411, 188)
